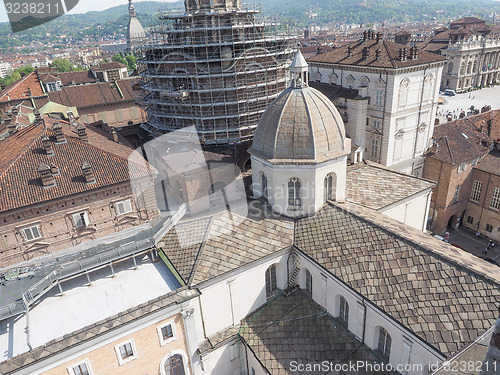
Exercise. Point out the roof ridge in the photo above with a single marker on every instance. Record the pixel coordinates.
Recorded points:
(200, 252)
(449, 149)
(389, 54)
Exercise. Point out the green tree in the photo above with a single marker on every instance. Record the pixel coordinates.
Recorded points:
(62, 65)
(119, 58)
(131, 62)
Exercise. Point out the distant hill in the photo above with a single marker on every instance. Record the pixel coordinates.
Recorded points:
(112, 23)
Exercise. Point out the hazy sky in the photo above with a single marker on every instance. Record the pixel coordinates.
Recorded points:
(83, 6)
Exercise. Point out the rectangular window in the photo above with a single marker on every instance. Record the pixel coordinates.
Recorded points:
(82, 368)
(489, 228)
(344, 310)
(379, 97)
(123, 207)
(374, 148)
(377, 124)
(126, 352)
(462, 167)
(495, 199)
(81, 219)
(32, 233)
(457, 192)
(475, 195)
(166, 333)
(384, 343)
(470, 220)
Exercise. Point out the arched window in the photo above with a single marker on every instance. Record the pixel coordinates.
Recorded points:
(294, 198)
(469, 67)
(344, 310)
(333, 78)
(384, 343)
(364, 81)
(270, 281)
(174, 364)
(429, 78)
(403, 92)
(309, 282)
(329, 193)
(264, 186)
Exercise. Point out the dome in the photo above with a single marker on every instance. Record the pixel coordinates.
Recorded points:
(300, 126)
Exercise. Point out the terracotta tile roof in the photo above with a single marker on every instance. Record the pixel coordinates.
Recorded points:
(106, 66)
(374, 186)
(201, 251)
(490, 163)
(295, 328)
(77, 78)
(457, 142)
(444, 295)
(389, 55)
(86, 334)
(22, 89)
(20, 183)
(48, 77)
(98, 94)
(467, 20)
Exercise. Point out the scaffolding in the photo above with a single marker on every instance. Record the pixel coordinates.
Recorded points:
(217, 67)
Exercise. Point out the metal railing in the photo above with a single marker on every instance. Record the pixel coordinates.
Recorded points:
(92, 255)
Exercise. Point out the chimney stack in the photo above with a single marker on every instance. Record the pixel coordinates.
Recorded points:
(82, 132)
(54, 170)
(365, 35)
(349, 51)
(47, 179)
(403, 54)
(60, 137)
(88, 173)
(15, 111)
(365, 52)
(377, 54)
(11, 127)
(414, 53)
(72, 120)
(115, 135)
(38, 116)
(379, 36)
(47, 146)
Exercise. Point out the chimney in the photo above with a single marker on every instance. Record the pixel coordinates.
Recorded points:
(38, 116)
(54, 170)
(11, 127)
(377, 54)
(365, 52)
(15, 111)
(47, 179)
(60, 137)
(414, 53)
(88, 173)
(47, 146)
(115, 135)
(72, 120)
(82, 132)
(349, 51)
(403, 54)
(379, 36)
(365, 35)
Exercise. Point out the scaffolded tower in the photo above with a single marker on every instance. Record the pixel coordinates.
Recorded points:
(216, 67)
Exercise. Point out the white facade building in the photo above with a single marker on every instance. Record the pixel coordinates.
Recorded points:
(5, 69)
(392, 117)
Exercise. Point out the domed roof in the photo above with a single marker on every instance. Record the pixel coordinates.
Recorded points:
(300, 126)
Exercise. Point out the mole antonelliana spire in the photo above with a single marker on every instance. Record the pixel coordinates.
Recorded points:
(136, 35)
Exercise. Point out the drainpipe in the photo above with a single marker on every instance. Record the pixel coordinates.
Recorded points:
(27, 329)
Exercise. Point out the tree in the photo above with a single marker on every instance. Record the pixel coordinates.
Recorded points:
(131, 62)
(62, 65)
(119, 58)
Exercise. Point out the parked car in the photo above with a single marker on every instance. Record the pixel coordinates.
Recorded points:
(450, 92)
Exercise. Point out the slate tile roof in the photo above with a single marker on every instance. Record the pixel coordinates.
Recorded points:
(389, 55)
(375, 186)
(295, 328)
(220, 246)
(444, 295)
(22, 153)
(102, 327)
(77, 78)
(97, 94)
